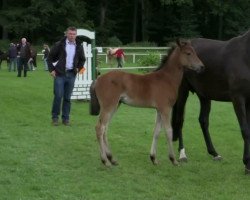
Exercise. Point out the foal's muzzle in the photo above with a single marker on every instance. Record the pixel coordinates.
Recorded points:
(200, 69)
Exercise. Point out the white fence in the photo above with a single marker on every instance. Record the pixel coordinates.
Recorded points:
(83, 81)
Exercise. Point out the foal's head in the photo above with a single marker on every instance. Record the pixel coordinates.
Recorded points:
(188, 56)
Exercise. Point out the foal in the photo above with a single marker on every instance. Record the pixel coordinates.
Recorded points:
(157, 90)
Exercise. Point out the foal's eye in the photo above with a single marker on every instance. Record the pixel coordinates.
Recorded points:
(188, 54)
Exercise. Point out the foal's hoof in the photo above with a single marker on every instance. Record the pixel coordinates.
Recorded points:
(106, 163)
(217, 158)
(183, 159)
(174, 161)
(154, 160)
(114, 162)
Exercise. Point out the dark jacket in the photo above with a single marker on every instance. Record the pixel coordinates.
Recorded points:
(12, 53)
(27, 50)
(58, 54)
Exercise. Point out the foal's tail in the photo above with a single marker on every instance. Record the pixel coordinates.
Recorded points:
(94, 106)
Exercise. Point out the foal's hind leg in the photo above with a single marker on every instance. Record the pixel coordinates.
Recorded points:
(165, 117)
(157, 130)
(107, 150)
(100, 134)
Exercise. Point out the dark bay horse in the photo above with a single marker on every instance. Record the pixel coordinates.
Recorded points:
(157, 90)
(226, 78)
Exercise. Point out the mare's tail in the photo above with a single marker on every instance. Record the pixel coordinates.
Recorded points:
(94, 106)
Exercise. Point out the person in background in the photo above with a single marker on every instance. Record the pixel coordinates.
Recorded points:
(45, 52)
(25, 54)
(119, 57)
(65, 60)
(12, 54)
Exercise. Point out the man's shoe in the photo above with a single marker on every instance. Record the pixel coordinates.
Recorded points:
(66, 122)
(55, 122)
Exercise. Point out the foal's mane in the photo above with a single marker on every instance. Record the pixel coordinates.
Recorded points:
(165, 58)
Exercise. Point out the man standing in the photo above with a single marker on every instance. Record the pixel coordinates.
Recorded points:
(65, 59)
(25, 54)
(12, 54)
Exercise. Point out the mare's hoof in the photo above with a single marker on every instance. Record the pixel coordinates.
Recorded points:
(217, 158)
(183, 159)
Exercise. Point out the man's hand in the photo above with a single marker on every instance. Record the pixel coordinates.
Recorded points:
(53, 73)
(81, 71)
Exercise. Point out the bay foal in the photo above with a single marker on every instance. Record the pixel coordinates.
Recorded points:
(157, 90)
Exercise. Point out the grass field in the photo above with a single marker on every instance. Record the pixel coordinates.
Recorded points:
(39, 161)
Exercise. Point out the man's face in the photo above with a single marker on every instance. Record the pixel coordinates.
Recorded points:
(23, 40)
(71, 35)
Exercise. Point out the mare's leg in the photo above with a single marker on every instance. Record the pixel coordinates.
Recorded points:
(204, 123)
(166, 123)
(239, 103)
(157, 130)
(178, 118)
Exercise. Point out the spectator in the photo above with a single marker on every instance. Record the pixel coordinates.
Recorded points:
(45, 52)
(119, 57)
(65, 59)
(12, 54)
(25, 54)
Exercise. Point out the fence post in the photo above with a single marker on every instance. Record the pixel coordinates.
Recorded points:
(133, 58)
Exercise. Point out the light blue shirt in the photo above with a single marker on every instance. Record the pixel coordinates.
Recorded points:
(70, 54)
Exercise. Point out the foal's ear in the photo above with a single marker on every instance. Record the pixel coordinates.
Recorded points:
(178, 42)
(181, 42)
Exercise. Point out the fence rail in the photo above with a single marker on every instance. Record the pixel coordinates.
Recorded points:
(125, 68)
(131, 54)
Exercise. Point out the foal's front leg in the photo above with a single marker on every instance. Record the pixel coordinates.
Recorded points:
(165, 117)
(157, 130)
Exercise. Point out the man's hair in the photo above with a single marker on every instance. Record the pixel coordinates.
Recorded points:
(71, 28)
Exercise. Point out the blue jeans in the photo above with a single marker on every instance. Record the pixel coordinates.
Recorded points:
(22, 66)
(63, 87)
(45, 64)
(12, 64)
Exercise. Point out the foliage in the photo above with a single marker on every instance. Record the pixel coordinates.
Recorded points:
(131, 21)
(150, 60)
(142, 44)
(4, 45)
(114, 42)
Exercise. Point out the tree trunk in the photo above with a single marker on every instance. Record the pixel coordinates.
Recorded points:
(135, 21)
(103, 12)
(3, 24)
(220, 28)
(144, 20)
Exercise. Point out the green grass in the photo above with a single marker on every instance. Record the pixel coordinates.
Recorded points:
(39, 161)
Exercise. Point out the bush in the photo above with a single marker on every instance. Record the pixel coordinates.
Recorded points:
(114, 42)
(150, 60)
(4, 45)
(142, 44)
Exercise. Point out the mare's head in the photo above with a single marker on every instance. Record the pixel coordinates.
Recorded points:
(188, 56)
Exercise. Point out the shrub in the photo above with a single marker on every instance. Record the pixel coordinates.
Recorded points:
(4, 45)
(114, 42)
(150, 60)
